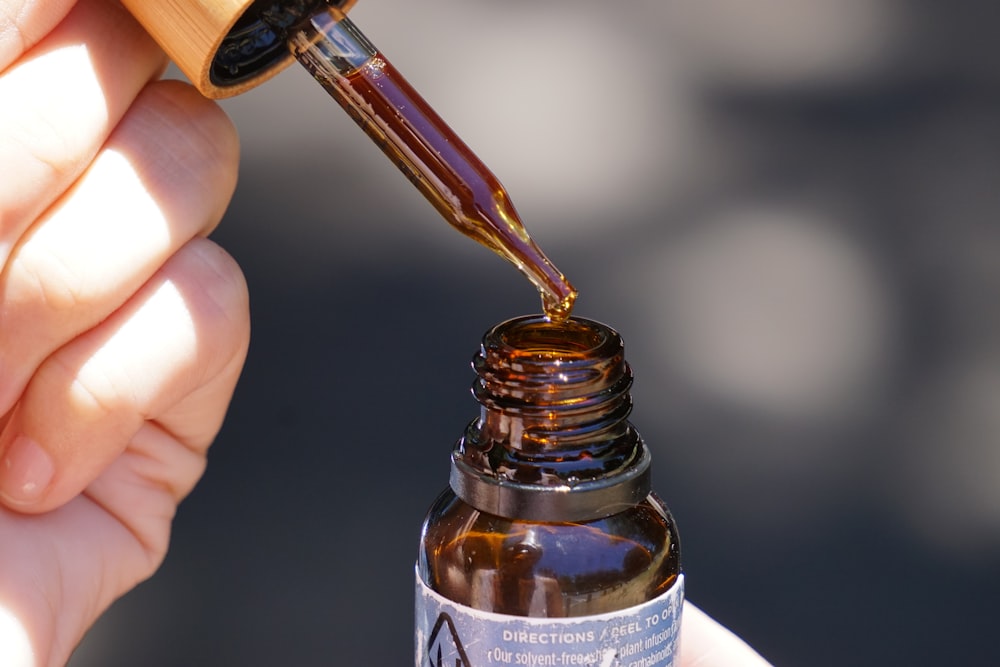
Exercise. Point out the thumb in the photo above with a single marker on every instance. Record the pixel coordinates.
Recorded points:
(706, 643)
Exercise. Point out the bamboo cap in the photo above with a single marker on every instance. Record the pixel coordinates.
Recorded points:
(222, 46)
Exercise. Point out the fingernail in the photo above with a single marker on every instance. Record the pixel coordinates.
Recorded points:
(25, 472)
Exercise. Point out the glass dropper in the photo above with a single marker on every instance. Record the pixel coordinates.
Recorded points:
(425, 149)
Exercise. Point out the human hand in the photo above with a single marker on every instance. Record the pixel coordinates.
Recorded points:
(122, 328)
(705, 643)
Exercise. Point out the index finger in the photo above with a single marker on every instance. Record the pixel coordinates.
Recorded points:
(59, 103)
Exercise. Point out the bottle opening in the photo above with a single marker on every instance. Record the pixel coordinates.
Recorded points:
(553, 424)
(533, 362)
(573, 338)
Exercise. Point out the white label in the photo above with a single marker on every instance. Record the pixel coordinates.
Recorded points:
(452, 635)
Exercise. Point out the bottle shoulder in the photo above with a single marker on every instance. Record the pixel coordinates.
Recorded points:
(531, 568)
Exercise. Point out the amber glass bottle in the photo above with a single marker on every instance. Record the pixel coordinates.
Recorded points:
(549, 547)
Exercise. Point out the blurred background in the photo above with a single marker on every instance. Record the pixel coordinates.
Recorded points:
(788, 208)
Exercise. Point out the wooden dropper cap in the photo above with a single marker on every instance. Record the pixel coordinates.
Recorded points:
(222, 46)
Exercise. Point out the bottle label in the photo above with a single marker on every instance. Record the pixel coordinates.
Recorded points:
(452, 635)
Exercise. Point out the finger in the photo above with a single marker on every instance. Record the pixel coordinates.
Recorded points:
(171, 354)
(60, 102)
(24, 22)
(61, 570)
(706, 643)
(165, 175)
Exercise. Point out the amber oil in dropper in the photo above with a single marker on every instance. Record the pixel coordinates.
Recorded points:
(441, 166)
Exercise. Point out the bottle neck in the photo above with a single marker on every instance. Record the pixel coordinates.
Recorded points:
(553, 441)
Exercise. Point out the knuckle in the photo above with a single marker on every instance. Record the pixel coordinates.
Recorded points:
(194, 137)
(43, 281)
(23, 23)
(219, 294)
(215, 293)
(220, 277)
(12, 36)
(90, 393)
(42, 141)
(53, 126)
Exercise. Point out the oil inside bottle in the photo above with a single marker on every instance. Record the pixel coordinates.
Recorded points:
(545, 569)
(425, 149)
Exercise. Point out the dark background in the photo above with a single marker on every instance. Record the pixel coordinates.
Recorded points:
(788, 208)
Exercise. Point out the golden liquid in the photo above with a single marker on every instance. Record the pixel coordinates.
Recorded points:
(431, 155)
(548, 570)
